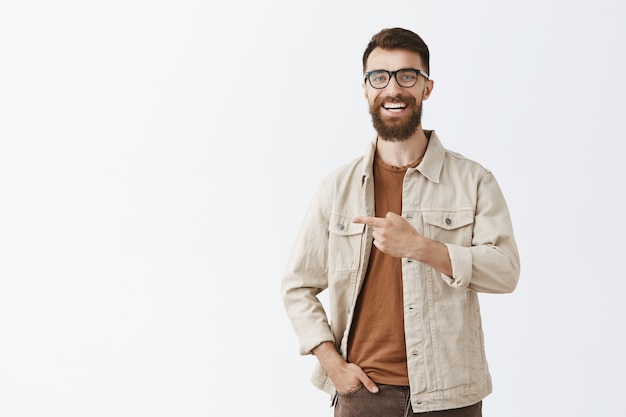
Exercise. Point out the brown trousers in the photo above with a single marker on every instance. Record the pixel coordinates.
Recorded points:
(391, 401)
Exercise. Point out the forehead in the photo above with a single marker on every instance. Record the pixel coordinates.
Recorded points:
(393, 59)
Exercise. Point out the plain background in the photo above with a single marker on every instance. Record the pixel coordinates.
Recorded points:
(156, 159)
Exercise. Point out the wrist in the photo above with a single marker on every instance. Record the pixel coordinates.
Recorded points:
(328, 357)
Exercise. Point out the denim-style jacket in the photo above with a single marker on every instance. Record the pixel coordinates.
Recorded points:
(447, 198)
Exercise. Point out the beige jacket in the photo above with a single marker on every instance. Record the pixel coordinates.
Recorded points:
(447, 198)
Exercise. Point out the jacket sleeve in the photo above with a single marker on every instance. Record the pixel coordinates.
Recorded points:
(306, 275)
(491, 264)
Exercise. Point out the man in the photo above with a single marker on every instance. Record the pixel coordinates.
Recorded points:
(402, 238)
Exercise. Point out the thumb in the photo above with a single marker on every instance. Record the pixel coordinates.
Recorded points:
(368, 383)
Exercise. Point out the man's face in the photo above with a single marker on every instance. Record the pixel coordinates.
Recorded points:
(396, 111)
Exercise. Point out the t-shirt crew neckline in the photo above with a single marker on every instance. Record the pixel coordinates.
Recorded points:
(379, 161)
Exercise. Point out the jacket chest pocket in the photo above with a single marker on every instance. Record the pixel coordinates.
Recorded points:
(344, 243)
(449, 226)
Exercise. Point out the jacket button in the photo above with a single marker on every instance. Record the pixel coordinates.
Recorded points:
(448, 221)
(341, 227)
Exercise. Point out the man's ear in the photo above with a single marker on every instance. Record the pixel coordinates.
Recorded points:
(428, 88)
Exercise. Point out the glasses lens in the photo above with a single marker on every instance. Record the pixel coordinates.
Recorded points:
(379, 79)
(406, 78)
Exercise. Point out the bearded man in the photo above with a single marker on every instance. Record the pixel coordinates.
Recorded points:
(403, 239)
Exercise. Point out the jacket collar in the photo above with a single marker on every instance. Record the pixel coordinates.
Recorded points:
(368, 161)
(431, 164)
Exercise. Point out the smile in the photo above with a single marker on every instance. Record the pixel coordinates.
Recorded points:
(394, 107)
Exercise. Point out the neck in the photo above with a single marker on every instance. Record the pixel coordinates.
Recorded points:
(402, 153)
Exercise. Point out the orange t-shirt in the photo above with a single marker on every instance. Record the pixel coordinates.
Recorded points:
(376, 340)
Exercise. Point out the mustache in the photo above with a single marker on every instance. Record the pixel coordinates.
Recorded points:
(398, 98)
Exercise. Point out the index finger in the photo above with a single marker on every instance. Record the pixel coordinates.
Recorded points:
(370, 221)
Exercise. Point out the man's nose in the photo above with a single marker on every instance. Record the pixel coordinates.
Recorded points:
(393, 84)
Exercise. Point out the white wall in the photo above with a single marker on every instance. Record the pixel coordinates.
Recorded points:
(156, 159)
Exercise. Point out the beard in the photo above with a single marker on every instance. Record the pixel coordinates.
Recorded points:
(396, 129)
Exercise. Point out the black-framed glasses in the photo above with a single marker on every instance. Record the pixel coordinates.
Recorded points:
(406, 77)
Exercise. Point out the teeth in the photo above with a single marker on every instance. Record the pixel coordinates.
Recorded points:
(394, 105)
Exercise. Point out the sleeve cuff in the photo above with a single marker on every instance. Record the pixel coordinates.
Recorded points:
(461, 259)
(313, 336)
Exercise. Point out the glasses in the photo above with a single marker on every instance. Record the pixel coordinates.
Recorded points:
(406, 77)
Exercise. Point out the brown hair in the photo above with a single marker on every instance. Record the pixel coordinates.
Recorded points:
(398, 38)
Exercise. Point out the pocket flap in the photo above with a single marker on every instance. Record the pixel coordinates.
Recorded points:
(342, 225)
(449, 220)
